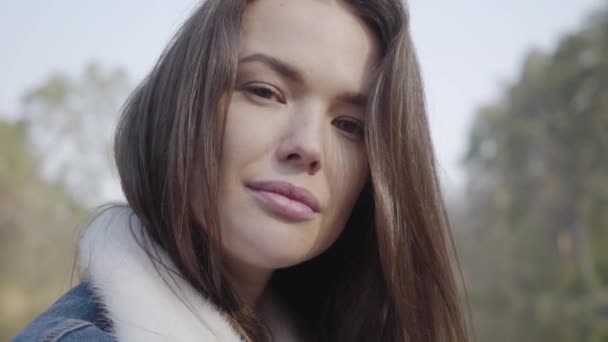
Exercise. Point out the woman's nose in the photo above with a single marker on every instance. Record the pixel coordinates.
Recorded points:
(301, 146)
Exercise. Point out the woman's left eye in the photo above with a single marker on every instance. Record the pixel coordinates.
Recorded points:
(351, 126)
(264, 92)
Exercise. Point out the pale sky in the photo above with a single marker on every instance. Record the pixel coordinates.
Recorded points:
(468, 49)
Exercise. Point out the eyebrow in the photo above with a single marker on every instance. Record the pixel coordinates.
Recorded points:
(291, 73)
(355, 99)
(278, 66)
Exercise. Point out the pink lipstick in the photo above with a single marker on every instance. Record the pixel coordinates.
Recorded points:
(285, 199)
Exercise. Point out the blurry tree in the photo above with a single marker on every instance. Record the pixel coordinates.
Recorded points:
(55, 164)
(69, 124)
(38, 230)
(538, 184)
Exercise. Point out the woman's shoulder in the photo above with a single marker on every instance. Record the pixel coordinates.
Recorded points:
(76, 316)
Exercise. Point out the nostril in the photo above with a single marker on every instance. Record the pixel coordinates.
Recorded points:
(294, 156)
(303, 161)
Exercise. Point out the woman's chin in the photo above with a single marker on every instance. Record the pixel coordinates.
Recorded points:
(271, 246)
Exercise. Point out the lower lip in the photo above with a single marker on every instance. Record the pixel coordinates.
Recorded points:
(283, 206)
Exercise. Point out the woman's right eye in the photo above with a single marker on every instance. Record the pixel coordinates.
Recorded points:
(263, 92)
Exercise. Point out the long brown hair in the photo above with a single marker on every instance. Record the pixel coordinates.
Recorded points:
(389, 275)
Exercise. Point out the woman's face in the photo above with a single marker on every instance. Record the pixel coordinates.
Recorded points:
(294, 159)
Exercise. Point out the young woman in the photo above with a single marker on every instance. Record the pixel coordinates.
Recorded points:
(281, 186)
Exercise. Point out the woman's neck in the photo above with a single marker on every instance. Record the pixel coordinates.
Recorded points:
(249, 281)
(252, 284)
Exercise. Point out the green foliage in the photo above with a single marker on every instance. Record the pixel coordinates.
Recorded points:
(38, 227)
(538, 180)
(14, 164)
(66, 123)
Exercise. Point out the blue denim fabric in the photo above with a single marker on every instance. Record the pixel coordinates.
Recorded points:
(76, 316)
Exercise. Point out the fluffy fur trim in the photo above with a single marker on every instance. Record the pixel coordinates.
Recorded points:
(140, 304)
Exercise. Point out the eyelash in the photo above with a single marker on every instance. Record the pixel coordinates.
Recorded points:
(255, 90)
(356, 130)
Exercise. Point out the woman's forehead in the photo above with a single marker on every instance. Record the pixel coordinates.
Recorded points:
(319, 39)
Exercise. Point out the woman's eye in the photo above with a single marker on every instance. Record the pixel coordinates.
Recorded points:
(264, 92)
(351, 126)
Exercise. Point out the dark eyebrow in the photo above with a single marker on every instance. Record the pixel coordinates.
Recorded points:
(291, 73)
(280, 67)
(355, 99)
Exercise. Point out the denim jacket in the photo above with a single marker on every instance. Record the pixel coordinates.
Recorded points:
(76, 316)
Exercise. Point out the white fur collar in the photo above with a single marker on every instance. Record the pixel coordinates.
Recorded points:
(139, 303)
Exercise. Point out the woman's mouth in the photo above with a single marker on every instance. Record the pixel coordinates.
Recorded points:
(285, 199)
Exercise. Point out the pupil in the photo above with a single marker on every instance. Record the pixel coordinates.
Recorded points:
(263, 92)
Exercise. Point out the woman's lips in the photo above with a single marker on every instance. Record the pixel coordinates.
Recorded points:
(285, 199)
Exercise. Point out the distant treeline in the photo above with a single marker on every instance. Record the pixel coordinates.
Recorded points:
(533, 231)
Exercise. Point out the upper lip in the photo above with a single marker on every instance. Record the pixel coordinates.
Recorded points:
(288, 190)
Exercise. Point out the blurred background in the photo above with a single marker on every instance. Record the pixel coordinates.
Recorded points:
(518, 101)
